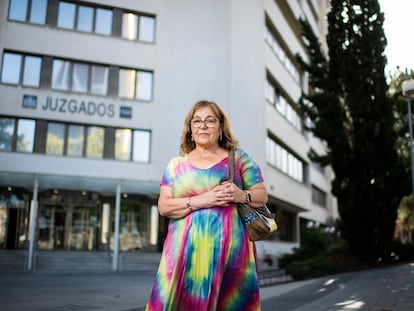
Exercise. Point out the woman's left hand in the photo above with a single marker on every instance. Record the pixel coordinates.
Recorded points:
(227, 192)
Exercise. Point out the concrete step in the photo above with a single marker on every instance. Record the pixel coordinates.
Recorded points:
(12, 260)
(66, 262)
(78, 261)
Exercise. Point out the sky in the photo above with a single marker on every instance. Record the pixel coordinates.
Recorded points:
(399, 29)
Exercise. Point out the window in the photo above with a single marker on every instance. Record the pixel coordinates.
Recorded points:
(75, 76)
(135, 27)
(12, 64)
(37, 9)
(144, 85)
(129, 26)
(76, 134)
(18, 10)
(275, 97)
(60, 75)
(135, 84)
(141, 148)
(277, 48)
(80, 77)
(25, 135)
(318, 196)
(32, 70)
(136, 141)
(95, 142)
(284, 160)
(38, 12)
(103, 24)
(6, 133)
(66, 15)
(126, 83)
(99, 80)
(81, 17)
(11, 68)
(146, 29)
(123, 138)
(85, 19)
(55, 139)
(74, 140)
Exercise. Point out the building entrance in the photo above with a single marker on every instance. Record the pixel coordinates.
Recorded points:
(13, 210)
(68, 228)
(69, 223)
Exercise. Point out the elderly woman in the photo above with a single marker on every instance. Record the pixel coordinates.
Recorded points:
(208, 262)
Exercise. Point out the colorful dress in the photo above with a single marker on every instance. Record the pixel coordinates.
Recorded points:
(208, 262)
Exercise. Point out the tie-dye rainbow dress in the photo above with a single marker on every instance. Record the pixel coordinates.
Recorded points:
(208, 262)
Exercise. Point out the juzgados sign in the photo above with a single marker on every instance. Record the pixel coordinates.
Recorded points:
(79, 107)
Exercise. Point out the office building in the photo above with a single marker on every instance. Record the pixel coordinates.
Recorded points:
(93, 96)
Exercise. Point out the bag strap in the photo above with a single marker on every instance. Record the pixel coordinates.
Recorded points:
(231, 165)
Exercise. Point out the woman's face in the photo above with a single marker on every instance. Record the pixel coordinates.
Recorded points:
(205, 127)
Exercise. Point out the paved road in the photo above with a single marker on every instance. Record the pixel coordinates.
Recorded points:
(386, 289)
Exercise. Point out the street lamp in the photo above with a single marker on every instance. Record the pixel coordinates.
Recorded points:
(408, 91)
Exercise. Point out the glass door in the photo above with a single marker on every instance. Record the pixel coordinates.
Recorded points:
(84, 229)
(52, 225)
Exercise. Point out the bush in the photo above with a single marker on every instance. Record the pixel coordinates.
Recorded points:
(403, 252)
(320, 254)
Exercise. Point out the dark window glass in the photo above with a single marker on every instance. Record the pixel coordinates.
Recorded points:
(6, 133)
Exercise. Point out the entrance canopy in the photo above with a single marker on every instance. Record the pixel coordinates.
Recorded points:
(80, 183)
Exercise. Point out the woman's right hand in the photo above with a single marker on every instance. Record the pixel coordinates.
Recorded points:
(218, 196)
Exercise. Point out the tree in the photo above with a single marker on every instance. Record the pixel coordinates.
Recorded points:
(406, 219)
(405, 212)
(349, 109)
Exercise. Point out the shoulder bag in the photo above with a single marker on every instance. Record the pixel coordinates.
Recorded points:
(260, 223)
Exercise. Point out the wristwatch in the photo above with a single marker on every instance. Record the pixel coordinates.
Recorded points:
(248, 199)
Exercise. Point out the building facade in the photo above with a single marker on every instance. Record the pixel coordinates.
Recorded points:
(93, 96)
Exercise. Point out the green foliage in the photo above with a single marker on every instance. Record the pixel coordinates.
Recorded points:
(405, 224)
(348, 105)
(320, 254)
(403, 252)
(406, 212)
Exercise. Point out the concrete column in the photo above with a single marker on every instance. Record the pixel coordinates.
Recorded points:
(32, 224)
(106, 222)
(115, 265)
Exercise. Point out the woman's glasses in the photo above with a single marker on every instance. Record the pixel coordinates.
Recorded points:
(209, 122)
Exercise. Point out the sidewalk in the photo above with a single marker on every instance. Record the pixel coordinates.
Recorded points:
(385, 289)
